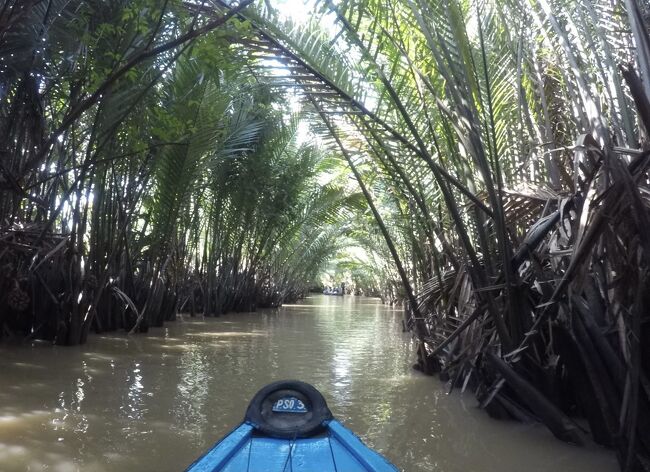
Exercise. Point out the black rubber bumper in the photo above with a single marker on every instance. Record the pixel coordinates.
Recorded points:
(275, 424)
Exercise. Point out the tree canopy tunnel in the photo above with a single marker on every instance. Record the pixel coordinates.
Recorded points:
(493, 151)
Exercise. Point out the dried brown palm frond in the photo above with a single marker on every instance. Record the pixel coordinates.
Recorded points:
(584, 271)
(526, 203)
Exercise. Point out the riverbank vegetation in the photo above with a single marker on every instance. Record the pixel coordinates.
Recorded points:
(150, 163)
(136, 185)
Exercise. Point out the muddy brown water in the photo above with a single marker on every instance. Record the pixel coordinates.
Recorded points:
(155, 402)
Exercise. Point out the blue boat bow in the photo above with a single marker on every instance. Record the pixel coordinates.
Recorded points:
(288, 428)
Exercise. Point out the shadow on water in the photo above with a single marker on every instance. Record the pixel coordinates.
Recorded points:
(156, 401)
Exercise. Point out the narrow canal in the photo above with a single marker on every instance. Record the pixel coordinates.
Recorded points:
(155, 402)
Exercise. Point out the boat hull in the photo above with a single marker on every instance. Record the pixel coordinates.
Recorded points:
(336, 449)
(288, 427)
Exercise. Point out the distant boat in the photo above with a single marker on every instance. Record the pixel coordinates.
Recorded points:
(288, 427)
(337, 292)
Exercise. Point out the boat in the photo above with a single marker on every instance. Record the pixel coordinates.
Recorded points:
(336, 292)
(288, 427)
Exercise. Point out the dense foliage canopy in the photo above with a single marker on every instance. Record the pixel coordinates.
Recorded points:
(146, 170)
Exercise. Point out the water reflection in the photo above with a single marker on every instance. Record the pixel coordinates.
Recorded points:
(155, 402)
(192, 393)
(134, 408)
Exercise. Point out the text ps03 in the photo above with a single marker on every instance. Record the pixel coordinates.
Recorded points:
(289, 405)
